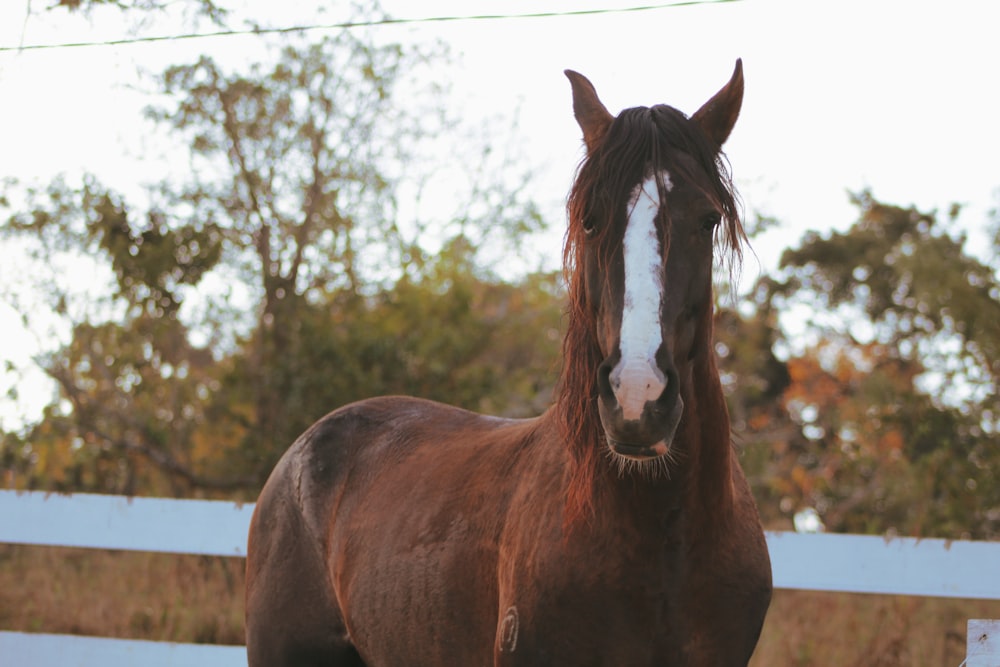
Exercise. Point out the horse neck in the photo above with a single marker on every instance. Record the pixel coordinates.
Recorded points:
(705, 438)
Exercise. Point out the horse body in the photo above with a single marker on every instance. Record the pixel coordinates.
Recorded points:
(470, 563)
(615, 529)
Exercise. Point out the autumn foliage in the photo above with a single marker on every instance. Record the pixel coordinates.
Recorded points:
(882, 412)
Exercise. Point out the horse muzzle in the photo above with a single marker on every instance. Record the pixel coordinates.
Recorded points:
(644, 430)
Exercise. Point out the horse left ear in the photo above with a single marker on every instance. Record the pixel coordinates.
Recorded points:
(718, 116)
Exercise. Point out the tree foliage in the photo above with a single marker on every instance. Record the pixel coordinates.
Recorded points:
(887, 414)
(329, 292)
(208, 8)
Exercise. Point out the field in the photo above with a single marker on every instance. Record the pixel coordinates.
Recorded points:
(200, 599)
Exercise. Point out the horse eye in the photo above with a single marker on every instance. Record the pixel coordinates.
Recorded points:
(588, 229)
(710, 221)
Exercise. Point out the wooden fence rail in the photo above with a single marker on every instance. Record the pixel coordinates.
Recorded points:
(821, 562)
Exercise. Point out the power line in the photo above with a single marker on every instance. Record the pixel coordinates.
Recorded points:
(347, 25)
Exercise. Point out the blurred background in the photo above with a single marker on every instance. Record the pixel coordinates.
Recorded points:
(221, 220)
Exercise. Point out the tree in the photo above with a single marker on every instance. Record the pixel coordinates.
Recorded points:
(131, 392)
(892, 397)
(922, 292)
(304, 162)
(294, 199)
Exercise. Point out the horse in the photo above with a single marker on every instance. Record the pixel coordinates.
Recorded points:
(617, 528)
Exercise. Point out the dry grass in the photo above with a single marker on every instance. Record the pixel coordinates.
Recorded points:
(806, 628)
(133, 595)
(200, 599)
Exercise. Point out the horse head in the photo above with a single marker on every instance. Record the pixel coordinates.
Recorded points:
(651, 196)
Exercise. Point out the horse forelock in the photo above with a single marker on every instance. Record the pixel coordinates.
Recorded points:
(639, 142)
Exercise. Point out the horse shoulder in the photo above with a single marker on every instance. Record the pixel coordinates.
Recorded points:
(410, 497)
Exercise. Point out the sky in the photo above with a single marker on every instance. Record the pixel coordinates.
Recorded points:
(897, 96)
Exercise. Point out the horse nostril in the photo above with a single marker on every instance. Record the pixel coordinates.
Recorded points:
(671, 391)
(604, 387)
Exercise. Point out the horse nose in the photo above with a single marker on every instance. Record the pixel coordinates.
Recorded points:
(635, 383)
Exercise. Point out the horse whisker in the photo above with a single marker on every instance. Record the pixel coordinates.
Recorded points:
(649, 469)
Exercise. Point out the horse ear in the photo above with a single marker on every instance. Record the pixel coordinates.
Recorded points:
(590, 113)
(718, 116)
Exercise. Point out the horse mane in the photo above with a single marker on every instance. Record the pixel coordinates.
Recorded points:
(638, 141)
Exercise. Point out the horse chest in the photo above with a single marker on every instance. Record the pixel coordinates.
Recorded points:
(641, 599)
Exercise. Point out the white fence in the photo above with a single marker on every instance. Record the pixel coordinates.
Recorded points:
(821, 562)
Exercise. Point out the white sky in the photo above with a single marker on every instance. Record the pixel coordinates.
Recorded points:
(900, 96)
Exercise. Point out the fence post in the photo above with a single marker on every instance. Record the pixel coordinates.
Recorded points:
(982, 643)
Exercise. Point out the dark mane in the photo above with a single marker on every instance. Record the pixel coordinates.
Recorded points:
(639, 140)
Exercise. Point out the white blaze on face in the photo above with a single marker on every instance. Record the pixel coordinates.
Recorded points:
(636, 378)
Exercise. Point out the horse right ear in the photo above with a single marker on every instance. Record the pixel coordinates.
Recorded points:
(590, 113)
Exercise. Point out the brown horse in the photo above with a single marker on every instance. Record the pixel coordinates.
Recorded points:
(615, 529)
